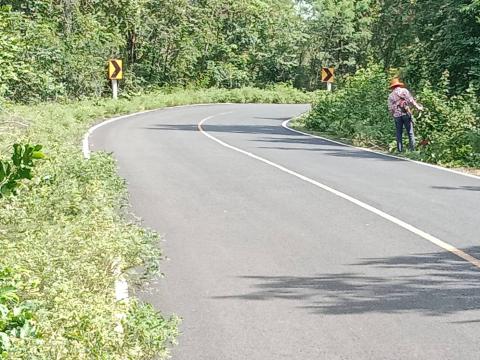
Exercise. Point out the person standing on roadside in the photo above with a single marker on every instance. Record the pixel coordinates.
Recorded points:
(399, 103)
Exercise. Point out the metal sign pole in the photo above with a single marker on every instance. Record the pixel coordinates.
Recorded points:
(115, 89)
(329, 86)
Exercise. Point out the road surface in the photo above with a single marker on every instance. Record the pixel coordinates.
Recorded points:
(269, 261)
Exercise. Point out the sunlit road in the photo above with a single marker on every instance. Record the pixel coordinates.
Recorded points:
(265, 263)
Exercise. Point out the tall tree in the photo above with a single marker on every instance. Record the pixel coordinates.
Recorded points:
(339, 35)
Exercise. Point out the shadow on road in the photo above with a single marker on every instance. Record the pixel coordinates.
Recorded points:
(233, 129)
(432, 284)
(325, 146)
(278, 136)
(469, 188)
(281, 119)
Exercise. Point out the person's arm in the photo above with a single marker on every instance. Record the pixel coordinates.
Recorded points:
(411, 100)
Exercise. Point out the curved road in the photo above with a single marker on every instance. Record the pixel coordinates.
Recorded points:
(267, 263)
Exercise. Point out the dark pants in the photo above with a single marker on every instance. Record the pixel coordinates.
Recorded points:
(400, 123)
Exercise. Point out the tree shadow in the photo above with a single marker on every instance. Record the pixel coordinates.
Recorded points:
(432, 284)
(468, 188)
(276, 135)
(325, 146)
(282, 119)
(232, 129)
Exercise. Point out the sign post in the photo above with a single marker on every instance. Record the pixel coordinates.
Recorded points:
(328, 76)
(115, 73)
(115, 89)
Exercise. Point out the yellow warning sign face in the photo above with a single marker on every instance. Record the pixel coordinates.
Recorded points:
(328, 75)
(115, 69)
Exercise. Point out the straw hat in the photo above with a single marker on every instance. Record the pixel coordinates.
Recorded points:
(396, 82)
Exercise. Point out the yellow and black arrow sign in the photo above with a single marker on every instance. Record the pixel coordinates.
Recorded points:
(328, 75)
(115, 69)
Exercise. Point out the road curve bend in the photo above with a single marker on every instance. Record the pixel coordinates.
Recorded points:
(269, 261)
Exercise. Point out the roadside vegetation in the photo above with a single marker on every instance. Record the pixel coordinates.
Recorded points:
(430, 45)
(64, 225)
(45, 54)
(63, 220)
(447, 132)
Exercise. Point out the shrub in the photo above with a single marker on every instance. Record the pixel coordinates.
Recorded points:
(357, 110)
(19, 168)
(448, 131)
(17, 316)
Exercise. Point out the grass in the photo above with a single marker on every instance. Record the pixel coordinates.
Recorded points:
(61, 234)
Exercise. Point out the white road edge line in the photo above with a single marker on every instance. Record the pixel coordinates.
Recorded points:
(444, 245)
(286, 126)
(121, 284)
(85, 144)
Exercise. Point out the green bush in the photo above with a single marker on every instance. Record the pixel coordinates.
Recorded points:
(17, 316)
(356, 111)
(67, 230)
(447, 131)
(40, 59)
(29, 48)
(19, 168)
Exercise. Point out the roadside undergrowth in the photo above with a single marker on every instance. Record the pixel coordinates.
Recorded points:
(447, 131)
(62, 231)
(299, 124)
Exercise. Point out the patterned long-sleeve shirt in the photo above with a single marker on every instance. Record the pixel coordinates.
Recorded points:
(399, 101)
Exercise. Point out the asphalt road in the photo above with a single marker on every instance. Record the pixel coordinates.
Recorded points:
(267, 265)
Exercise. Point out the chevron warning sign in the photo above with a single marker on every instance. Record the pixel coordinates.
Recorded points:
(115, 69)
(328, 75)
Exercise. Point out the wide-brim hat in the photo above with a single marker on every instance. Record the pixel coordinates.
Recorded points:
(395, 83)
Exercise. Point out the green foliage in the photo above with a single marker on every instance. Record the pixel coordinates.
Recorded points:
(49, 52)
(53, 50)
(339, 33)
(19, 168)
(67, 230)
(253, 42)
(58, 49)
(27, 47)
(425, 38)
(357, 110)
(447, 131)
(138, 326)
(17, 316)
